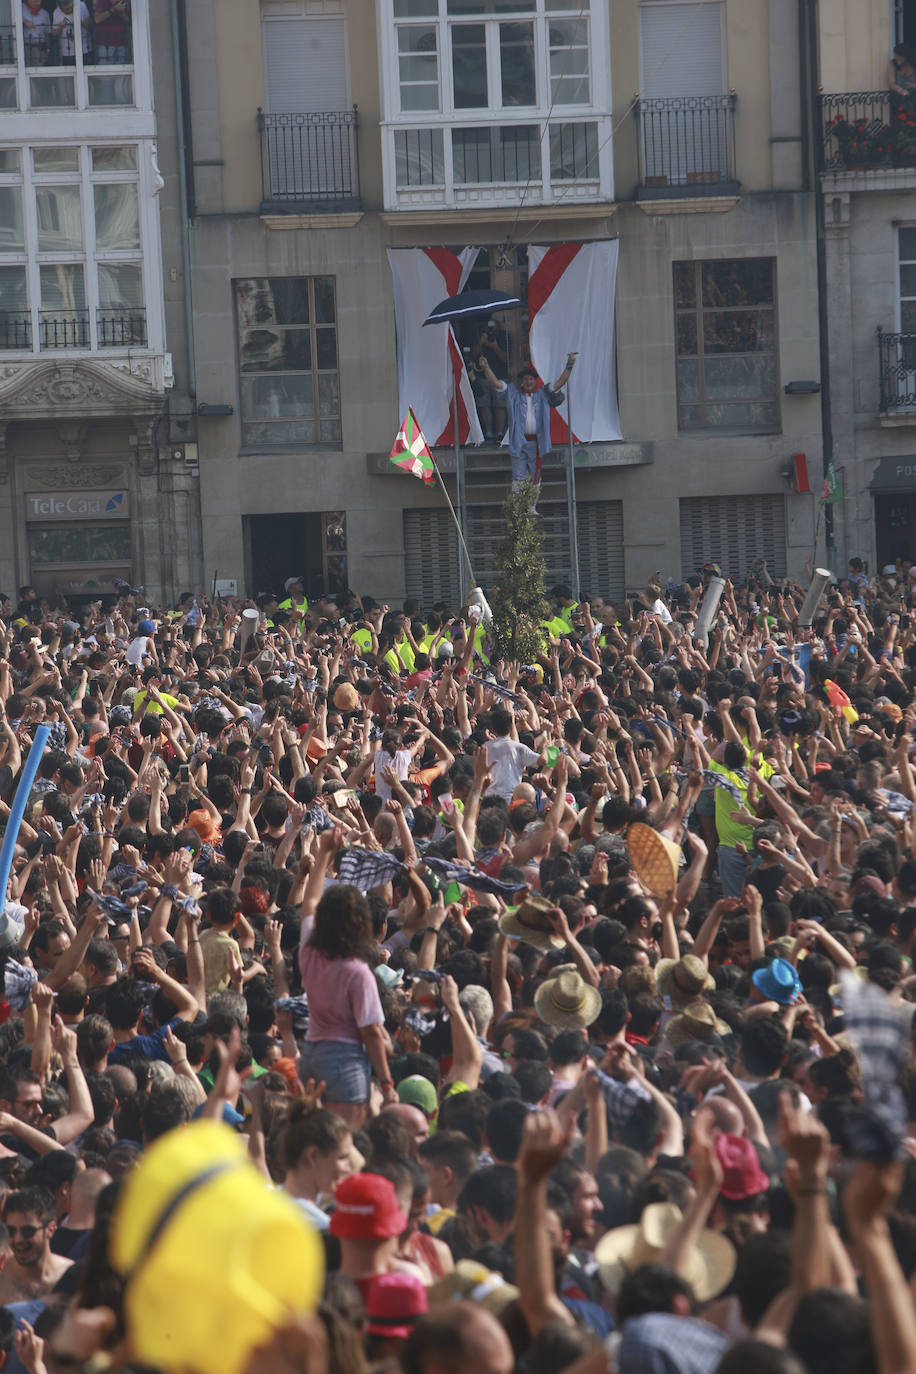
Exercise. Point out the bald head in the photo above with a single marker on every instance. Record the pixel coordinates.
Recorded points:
(727, 1116)
(458, 1338)
(413, 1121)
(84, 1194)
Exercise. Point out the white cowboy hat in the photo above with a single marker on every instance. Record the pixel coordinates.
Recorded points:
(708, 1266)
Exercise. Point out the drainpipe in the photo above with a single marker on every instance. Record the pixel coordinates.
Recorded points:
(812, 181)
(182, 120)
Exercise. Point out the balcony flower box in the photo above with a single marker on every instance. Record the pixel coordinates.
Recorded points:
(862, 143)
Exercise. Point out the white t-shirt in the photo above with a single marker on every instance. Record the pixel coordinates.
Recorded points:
(136, 650)
(661, 610)
(531, 421)
(36, 26)
(67, 36)
(401, 765)
(506, 760)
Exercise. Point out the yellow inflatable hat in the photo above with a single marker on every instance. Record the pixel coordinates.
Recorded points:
(215, 1259)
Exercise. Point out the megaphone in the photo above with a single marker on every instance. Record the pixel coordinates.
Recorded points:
(250, 618)
(818, 582)
(708, 610)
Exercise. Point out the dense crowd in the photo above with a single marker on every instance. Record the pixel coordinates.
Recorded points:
(370, 1002)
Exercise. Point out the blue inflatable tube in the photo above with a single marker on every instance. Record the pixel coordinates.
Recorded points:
(17, 810)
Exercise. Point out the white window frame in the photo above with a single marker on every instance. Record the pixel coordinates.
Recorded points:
(139, 70)
(898, 263)
(87, 126)
(596, 185)
(147, 255)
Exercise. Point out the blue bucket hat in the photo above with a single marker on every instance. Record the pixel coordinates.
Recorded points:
(779, 982)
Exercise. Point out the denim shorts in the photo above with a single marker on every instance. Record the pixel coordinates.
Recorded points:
(706, 802)
(343, 1066)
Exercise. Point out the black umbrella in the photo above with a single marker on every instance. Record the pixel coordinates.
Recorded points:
(471, 303)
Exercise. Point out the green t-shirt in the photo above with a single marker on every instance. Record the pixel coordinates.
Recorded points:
(731, 832)
(363, 638)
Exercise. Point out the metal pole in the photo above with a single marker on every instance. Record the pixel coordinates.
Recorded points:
(571, 499)
(459, 481)
(448, 502)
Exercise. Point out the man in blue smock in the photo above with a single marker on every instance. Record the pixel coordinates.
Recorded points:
(529, 407)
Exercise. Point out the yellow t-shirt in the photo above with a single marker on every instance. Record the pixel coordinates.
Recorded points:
(406, 653)
(215, 948)
(152, 708)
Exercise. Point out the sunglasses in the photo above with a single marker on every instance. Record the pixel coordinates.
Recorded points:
(27, 1232)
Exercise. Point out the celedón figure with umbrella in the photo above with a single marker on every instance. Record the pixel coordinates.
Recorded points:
(528, 405)
(529, 409)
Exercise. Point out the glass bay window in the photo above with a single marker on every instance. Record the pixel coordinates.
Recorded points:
(495, 93)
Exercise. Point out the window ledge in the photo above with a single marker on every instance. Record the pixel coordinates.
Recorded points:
(723, 433)
(688, 205)
(896, 419)
(486, 458)
(284, 450)
(507, 214)
(870, 179)
(337, 220)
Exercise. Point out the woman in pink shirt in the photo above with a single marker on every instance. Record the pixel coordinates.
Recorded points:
(346, 1038)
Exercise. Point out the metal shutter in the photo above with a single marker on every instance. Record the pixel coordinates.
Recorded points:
(487, 530)
(732, 531)
(431, 557)
(305, 65)
(601, 567)
(681, 49)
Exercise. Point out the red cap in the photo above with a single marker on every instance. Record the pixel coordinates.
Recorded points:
(366, 1208)
(393, 1303)
(742, 1174)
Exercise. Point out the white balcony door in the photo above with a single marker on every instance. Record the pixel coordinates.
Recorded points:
(904, 363)
(305, 76)
(682, 64)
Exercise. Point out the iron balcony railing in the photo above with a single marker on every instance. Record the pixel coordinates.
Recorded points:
(897, 371)
(862, 130)
(63, 328)
(121, 328)
(15, 329)
(7, 44)
(309, 160)
(686, 146)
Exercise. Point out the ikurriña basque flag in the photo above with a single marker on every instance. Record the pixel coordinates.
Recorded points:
(411, 451)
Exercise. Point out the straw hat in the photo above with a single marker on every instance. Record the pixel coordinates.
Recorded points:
(473, 1282)
(215, 1260)
(531, 922)
(683, 980)
(708, 1266)
(697, 1021)
(346, 697)
(654, 857)
(566, 1000)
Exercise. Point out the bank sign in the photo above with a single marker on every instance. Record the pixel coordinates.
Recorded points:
(76, 505)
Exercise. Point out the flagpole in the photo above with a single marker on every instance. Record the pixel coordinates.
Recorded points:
(448, 501)
(572, 513)
(459, 465)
